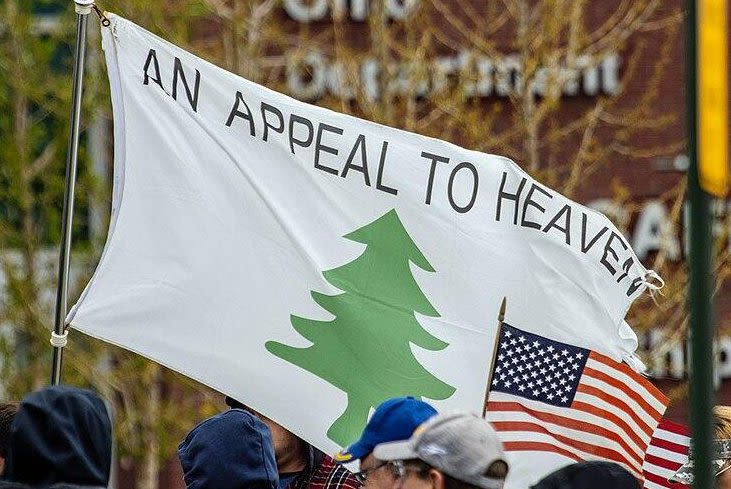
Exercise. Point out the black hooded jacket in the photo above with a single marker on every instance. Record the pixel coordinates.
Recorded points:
(232, 450)
(61, 438)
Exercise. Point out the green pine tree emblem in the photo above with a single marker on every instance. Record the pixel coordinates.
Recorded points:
(365, 351)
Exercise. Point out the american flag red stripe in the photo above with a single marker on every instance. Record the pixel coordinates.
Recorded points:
(602, 413)
(668, 450)
(657, 395)
(593, 449)
(654, 480)
(619, 403)
(564, 421)
(535, 446)
(668, 445)
(661, 462)
(590, 442)
(608, 412)
(619, 385)
(566, 451)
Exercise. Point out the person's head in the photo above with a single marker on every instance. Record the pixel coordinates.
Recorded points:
(721, 452)
(393, 420)
(450, 451)
(589, 475)
(289, 449)
(232, 450)
(61, 435)
(722, 416)
(7, 414)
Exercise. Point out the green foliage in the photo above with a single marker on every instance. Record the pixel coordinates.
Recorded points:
(154, 408)
(31, 127)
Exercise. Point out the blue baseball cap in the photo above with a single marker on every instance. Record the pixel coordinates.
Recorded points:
(393, 420)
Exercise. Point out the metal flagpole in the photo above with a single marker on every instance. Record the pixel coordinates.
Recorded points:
(58, 336)
(699, 287)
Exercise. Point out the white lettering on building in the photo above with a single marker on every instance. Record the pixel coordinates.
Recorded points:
(315, 75)
(654, 230)
(668, 359)
(306, 11)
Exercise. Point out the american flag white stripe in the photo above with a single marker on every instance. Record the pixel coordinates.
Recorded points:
(663, 432)
(636, 431)
(595, 434)
(640, 424)
(514, 441)
(670, 455)
(652, 485)
(645, 391)
(668, 450)
(642, 408)
(536, 409)
(577, 431)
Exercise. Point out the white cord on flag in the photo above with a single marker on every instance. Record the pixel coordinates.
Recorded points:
(59, 340)
(652, 275)
(654, 283)
(83, 7)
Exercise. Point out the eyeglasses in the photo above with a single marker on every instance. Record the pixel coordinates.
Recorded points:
(362, 476)
(399, 469)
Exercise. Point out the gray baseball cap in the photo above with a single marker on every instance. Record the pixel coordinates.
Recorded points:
(461, 445)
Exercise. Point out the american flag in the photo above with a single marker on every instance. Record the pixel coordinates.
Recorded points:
(548, 396)
(668, 450)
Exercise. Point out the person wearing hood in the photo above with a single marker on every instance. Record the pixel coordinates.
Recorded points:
(61, 438)
(232, 450)
(301, 465)
(7, 414)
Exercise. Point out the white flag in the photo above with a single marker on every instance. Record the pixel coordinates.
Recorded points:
(312, 264)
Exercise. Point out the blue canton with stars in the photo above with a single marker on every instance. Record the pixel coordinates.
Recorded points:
(537, 368)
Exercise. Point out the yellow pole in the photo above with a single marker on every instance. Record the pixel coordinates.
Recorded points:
(712, 97)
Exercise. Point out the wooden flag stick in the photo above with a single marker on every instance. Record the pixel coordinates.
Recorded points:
(500, 319)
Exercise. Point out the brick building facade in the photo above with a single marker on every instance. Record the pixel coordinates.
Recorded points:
(638, 80)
